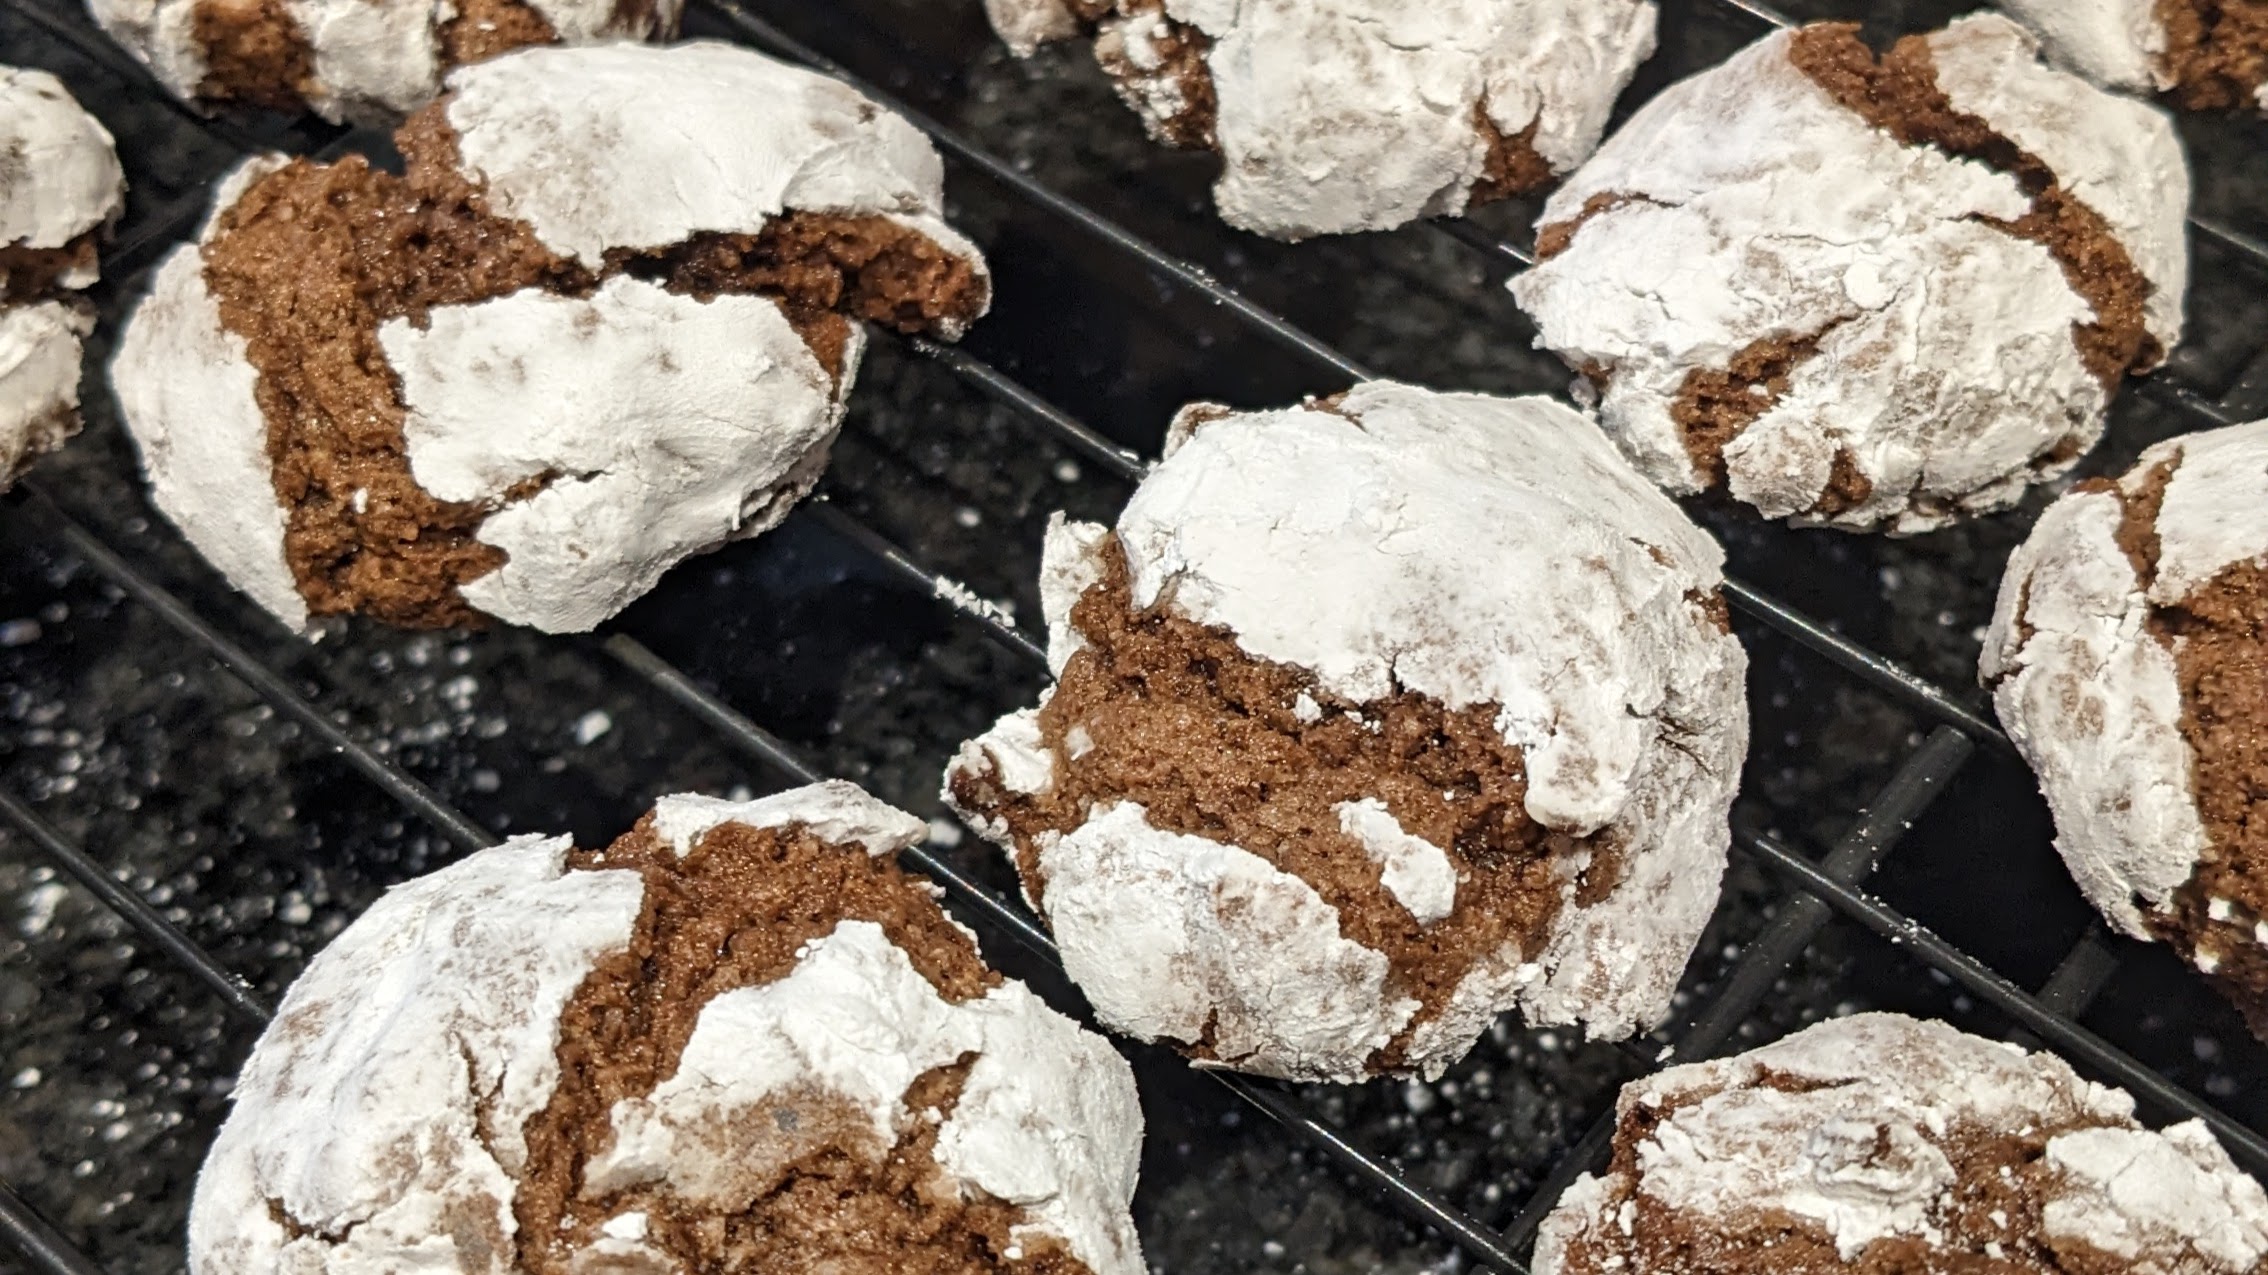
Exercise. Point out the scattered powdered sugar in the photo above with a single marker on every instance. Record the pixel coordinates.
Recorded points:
(967, 599)
(1855, 1127)
(1416, 872)
(667, 425)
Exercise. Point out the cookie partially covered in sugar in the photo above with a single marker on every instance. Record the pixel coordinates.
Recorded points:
(2128, 659)
(1883, 1143)
(1360, 114)
(60, 190)
(2207, 55)
(1373, 719)
(739, 1038)
(1872, 293)
(373, 61)
(608, 319)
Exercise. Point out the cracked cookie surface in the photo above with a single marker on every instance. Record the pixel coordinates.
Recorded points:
(1358, 115)
(371, 61)
(537, 369)
(60, 189)
(1880, 1143)
(2128, 658)
(737, 1039)
(2206, 55)
(1871, 291)
(1373, 719)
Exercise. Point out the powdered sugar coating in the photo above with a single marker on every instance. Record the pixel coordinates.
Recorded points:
(373, 61)
(1166, 934)
(2117, 156)
(836, 811)
(59, 181)
(1855, 1129)
(2090, 694)
(62, 179)
(1027, 24)
(1348, 115)
(1477, 551)
(1753, 208)
(2116, 43)
(667, 424)
(185, 388)
(765, 137)
(1047, 1118)
(671, 425)
(382, 1114)
(359, 1113)
(39, 380)
(1415, 871)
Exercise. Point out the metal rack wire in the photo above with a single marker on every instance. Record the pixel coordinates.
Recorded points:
(1818, 890)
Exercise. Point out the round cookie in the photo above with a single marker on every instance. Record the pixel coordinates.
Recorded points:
(60, 190)
(1871, 293)
(1360, 114)
(739, 1038)
(2207, 55)
(2128, 658)
(372, 61)
(607, 320)
(1880, 1143)
(1373, 719)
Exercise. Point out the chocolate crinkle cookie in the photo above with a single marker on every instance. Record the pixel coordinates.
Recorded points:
(1872, 292)
(1360, 114)
(1882, 1144)
(1374, 719)
(2129, 660)
(60, 191)
(737, 1039)
(2206, 55)
(607, 319)
(373, 61)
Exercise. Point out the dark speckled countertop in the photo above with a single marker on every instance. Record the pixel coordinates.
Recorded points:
(114, 1066)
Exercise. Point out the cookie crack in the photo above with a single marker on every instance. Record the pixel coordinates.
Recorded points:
(1899, 94)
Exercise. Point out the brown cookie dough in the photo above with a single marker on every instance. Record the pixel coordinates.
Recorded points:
(737, 1039)
(1883, 1145)
(2129, 660)
(372, 61)
(1360, 114)
(693, 352)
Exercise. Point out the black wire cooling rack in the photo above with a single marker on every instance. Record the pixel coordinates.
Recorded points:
(1119, 297)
